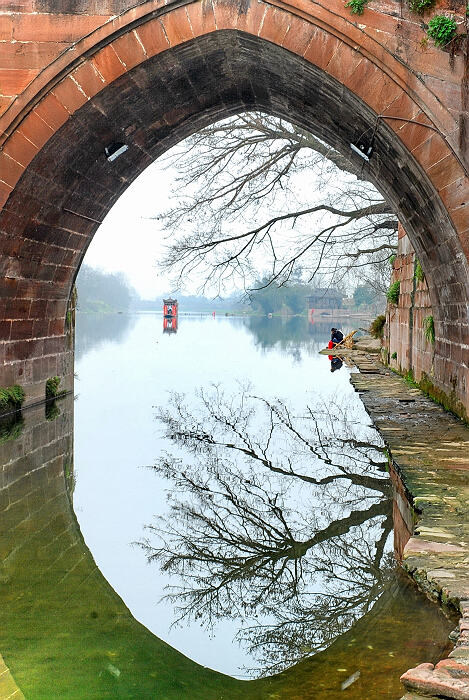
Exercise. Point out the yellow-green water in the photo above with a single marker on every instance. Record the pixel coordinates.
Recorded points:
(65, 632)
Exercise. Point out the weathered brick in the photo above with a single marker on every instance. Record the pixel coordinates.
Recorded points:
(275, 25)
(321, 50)
(10, 170)
(35, 129)
(201, 17)
(14, 80)
(108, 64)
(52, 111)
(88, 79)
(53, 27)
(129, 50)
(152, 37)
(69, 94)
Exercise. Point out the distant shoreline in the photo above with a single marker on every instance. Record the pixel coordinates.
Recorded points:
(363, 316)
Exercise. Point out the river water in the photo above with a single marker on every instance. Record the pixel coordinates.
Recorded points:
(230, 492)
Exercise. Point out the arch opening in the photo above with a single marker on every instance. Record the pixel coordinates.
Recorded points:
(59, 201)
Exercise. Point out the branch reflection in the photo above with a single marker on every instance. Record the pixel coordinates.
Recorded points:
(276, 519)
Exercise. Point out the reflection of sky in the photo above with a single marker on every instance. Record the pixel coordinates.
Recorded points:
(119, 384)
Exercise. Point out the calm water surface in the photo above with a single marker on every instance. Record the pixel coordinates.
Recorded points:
(229, 491)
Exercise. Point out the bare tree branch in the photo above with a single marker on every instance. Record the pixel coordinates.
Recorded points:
(323, 215)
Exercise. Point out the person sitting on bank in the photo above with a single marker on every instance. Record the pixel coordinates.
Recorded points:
(336, 336)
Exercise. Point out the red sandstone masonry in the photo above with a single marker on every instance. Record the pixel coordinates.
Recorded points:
(359, 56)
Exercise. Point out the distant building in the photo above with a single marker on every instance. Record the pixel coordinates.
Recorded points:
(170, 307)
(324, 301)
(170, 315)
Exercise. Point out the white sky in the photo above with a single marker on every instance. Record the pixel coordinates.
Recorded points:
(128, 242)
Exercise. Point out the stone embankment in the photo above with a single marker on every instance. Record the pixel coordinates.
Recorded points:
(429, 448)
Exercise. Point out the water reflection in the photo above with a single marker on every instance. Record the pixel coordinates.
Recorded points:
(277, 519)
(336, 363)
(66, 633)
(93, 330)
(295, 335)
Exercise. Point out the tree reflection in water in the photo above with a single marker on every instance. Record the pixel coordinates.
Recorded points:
(278, 520)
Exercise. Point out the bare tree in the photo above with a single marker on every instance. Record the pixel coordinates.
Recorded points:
(255, 191)
(267, 504)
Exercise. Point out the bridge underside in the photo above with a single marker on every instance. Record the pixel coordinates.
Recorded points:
(54, 209)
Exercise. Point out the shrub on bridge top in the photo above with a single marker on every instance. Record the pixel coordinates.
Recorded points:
(393, 292)
(420, 6)
(357, 7)
(442, 29)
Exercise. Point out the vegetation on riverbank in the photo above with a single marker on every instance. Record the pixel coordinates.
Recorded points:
(102, 292)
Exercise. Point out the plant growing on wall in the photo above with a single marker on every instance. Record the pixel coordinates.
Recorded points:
(357, 7)
(419, 276)
(11, 397)
(420, 6)
(394, 356)
(11, 427)
(442, 29)
(392, 259)
(429, 329)
(52, 388)
(393, 292)
(377, 326)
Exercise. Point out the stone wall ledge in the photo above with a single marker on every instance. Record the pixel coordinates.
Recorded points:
(429, 450)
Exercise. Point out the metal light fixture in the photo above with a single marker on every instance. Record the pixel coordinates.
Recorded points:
(114, 150)
(362, 150)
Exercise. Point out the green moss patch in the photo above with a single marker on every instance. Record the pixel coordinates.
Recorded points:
(11, 398)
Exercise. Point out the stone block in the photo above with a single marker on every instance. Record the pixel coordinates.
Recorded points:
(20, 149)
(52, 111)
(88, 79)
(322, 48)
(275, 25)
(299, 36)
(129, 50)
(177, 26)
(153, 37)
(445, 171)
(108, 65)
(10, 170)
(69, 94)
(14, 80)
(53, 27)
(201, 17)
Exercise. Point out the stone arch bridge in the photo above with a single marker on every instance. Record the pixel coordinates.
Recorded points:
(78, 77)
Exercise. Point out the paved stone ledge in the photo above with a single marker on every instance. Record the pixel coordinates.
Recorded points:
(430, 452)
